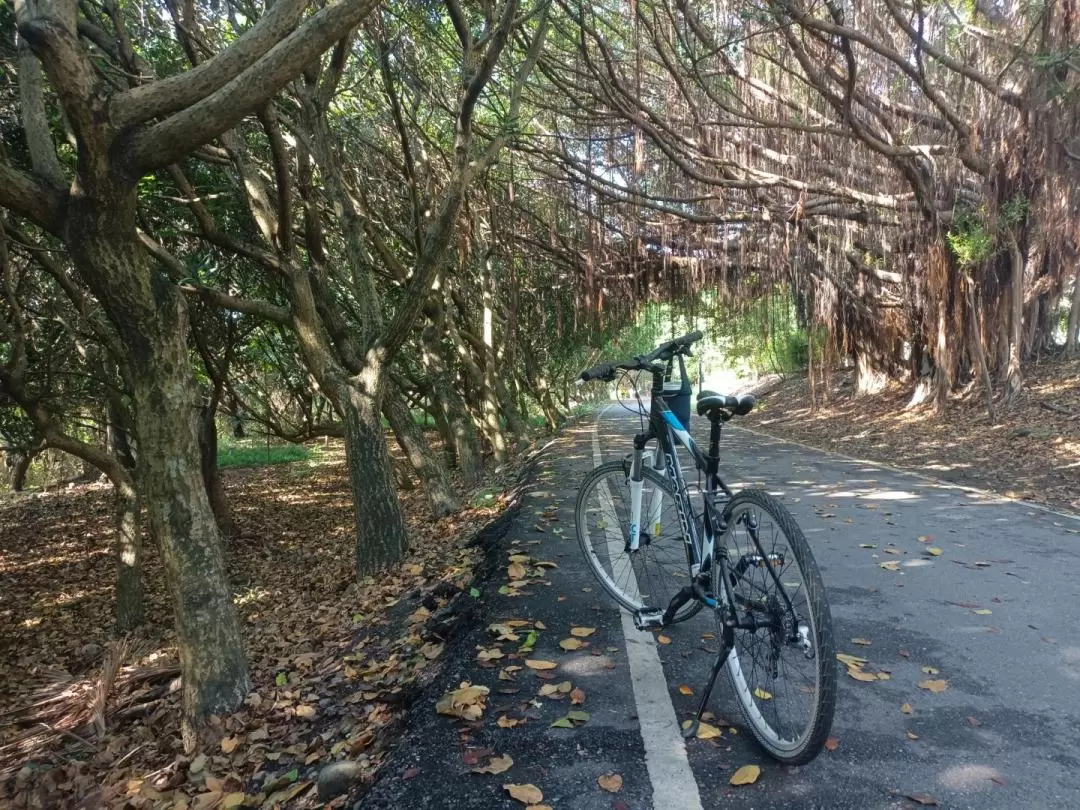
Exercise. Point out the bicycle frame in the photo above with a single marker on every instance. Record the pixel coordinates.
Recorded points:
(665, 427)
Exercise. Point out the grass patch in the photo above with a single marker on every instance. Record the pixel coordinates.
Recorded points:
(253, 455)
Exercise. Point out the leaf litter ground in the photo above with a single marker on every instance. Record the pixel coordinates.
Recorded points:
(334, 662)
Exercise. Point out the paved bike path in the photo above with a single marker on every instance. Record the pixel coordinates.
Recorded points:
(1003, 734)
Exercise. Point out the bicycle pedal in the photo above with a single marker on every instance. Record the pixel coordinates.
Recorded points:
(648, 618)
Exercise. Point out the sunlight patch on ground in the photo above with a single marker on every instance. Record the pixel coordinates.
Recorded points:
(969, 777)
(869, 494)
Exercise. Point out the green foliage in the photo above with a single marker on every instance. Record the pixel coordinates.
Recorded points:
(253, 453)
(1015, 210)
(969, 239)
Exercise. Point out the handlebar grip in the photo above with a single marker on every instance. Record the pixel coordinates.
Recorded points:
(597, 372)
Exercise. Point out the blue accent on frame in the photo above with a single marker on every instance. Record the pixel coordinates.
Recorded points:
(673, 420)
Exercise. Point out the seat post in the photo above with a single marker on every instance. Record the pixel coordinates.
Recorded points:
(712, 466)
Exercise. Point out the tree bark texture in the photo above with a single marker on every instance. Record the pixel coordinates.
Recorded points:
(129, 581)
(411, 438)
(151, 318)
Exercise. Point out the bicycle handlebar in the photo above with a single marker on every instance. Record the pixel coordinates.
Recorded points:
(643, 362)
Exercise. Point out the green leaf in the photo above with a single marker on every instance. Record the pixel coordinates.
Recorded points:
(579, 716)
(282, 679)
(474, 593)
(530, 640)
(504, 589)
(563, 722)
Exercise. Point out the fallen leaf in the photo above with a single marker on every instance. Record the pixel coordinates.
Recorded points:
(746, 775)
(492, 654)
(197, 764)
(570, 644)
(515, 570)
(935, 685)
(228, 744)
(582, 632)
(577, 696)
(926, 538)
(922, 798)
(860, 674)
(911, 735)
(864, 642)
(891, 550)
(890, 566)
(571, 720)
(907, 708)
(934, 551)
(541, 625)
(611, 782)
(832, 744)
(685, 690)
(410, 773)
(867, 545)
(536, 663)
(305, 711)
(466, 702)
(662, 639)
(761, 694)
(974, 721)
(496, 765)
(506, 721)
(931, 670)
(232, 800)
(431, 650)
(526, 794)
(850, 660)
(707, 731)
(982, 612)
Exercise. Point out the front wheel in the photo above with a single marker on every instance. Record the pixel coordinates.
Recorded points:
(651, 575)
(783, 663)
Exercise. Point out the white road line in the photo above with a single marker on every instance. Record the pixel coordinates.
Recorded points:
(672, 779)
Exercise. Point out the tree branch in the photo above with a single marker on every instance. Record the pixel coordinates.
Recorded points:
(175, 93)
(170, 140)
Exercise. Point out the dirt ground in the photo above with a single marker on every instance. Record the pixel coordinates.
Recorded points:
(334, 662)
(1031, 452)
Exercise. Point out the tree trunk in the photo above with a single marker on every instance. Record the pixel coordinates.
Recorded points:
(150, 316)
(1013, 379)
(381, 538)
(215, 490)
(129, 586)
(1073, 331)
(19, 470)
(432, 477)
(868, 379)
(463, 430)
(977, 349)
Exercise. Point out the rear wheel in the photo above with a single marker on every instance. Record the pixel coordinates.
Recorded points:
(652, 574)
(783, 672)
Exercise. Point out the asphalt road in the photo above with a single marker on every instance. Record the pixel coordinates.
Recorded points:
(1004, 734)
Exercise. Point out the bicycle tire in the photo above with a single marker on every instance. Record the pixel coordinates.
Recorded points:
(606, 535)
(756, 685)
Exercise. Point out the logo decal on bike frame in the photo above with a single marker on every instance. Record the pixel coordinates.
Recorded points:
(680, 431)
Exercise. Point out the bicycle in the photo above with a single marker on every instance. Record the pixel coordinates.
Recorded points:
(743, 556)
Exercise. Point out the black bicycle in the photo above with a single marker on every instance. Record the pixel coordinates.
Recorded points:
(741, 555)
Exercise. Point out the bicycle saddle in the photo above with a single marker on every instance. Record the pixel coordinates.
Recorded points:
(708, 401)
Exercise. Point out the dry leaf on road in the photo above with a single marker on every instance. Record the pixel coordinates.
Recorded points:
(526, 794)
(746, 775)
(938, 685)
(496, 765)
(611, 782)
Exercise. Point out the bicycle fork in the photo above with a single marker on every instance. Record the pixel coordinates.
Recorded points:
(652, 515)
